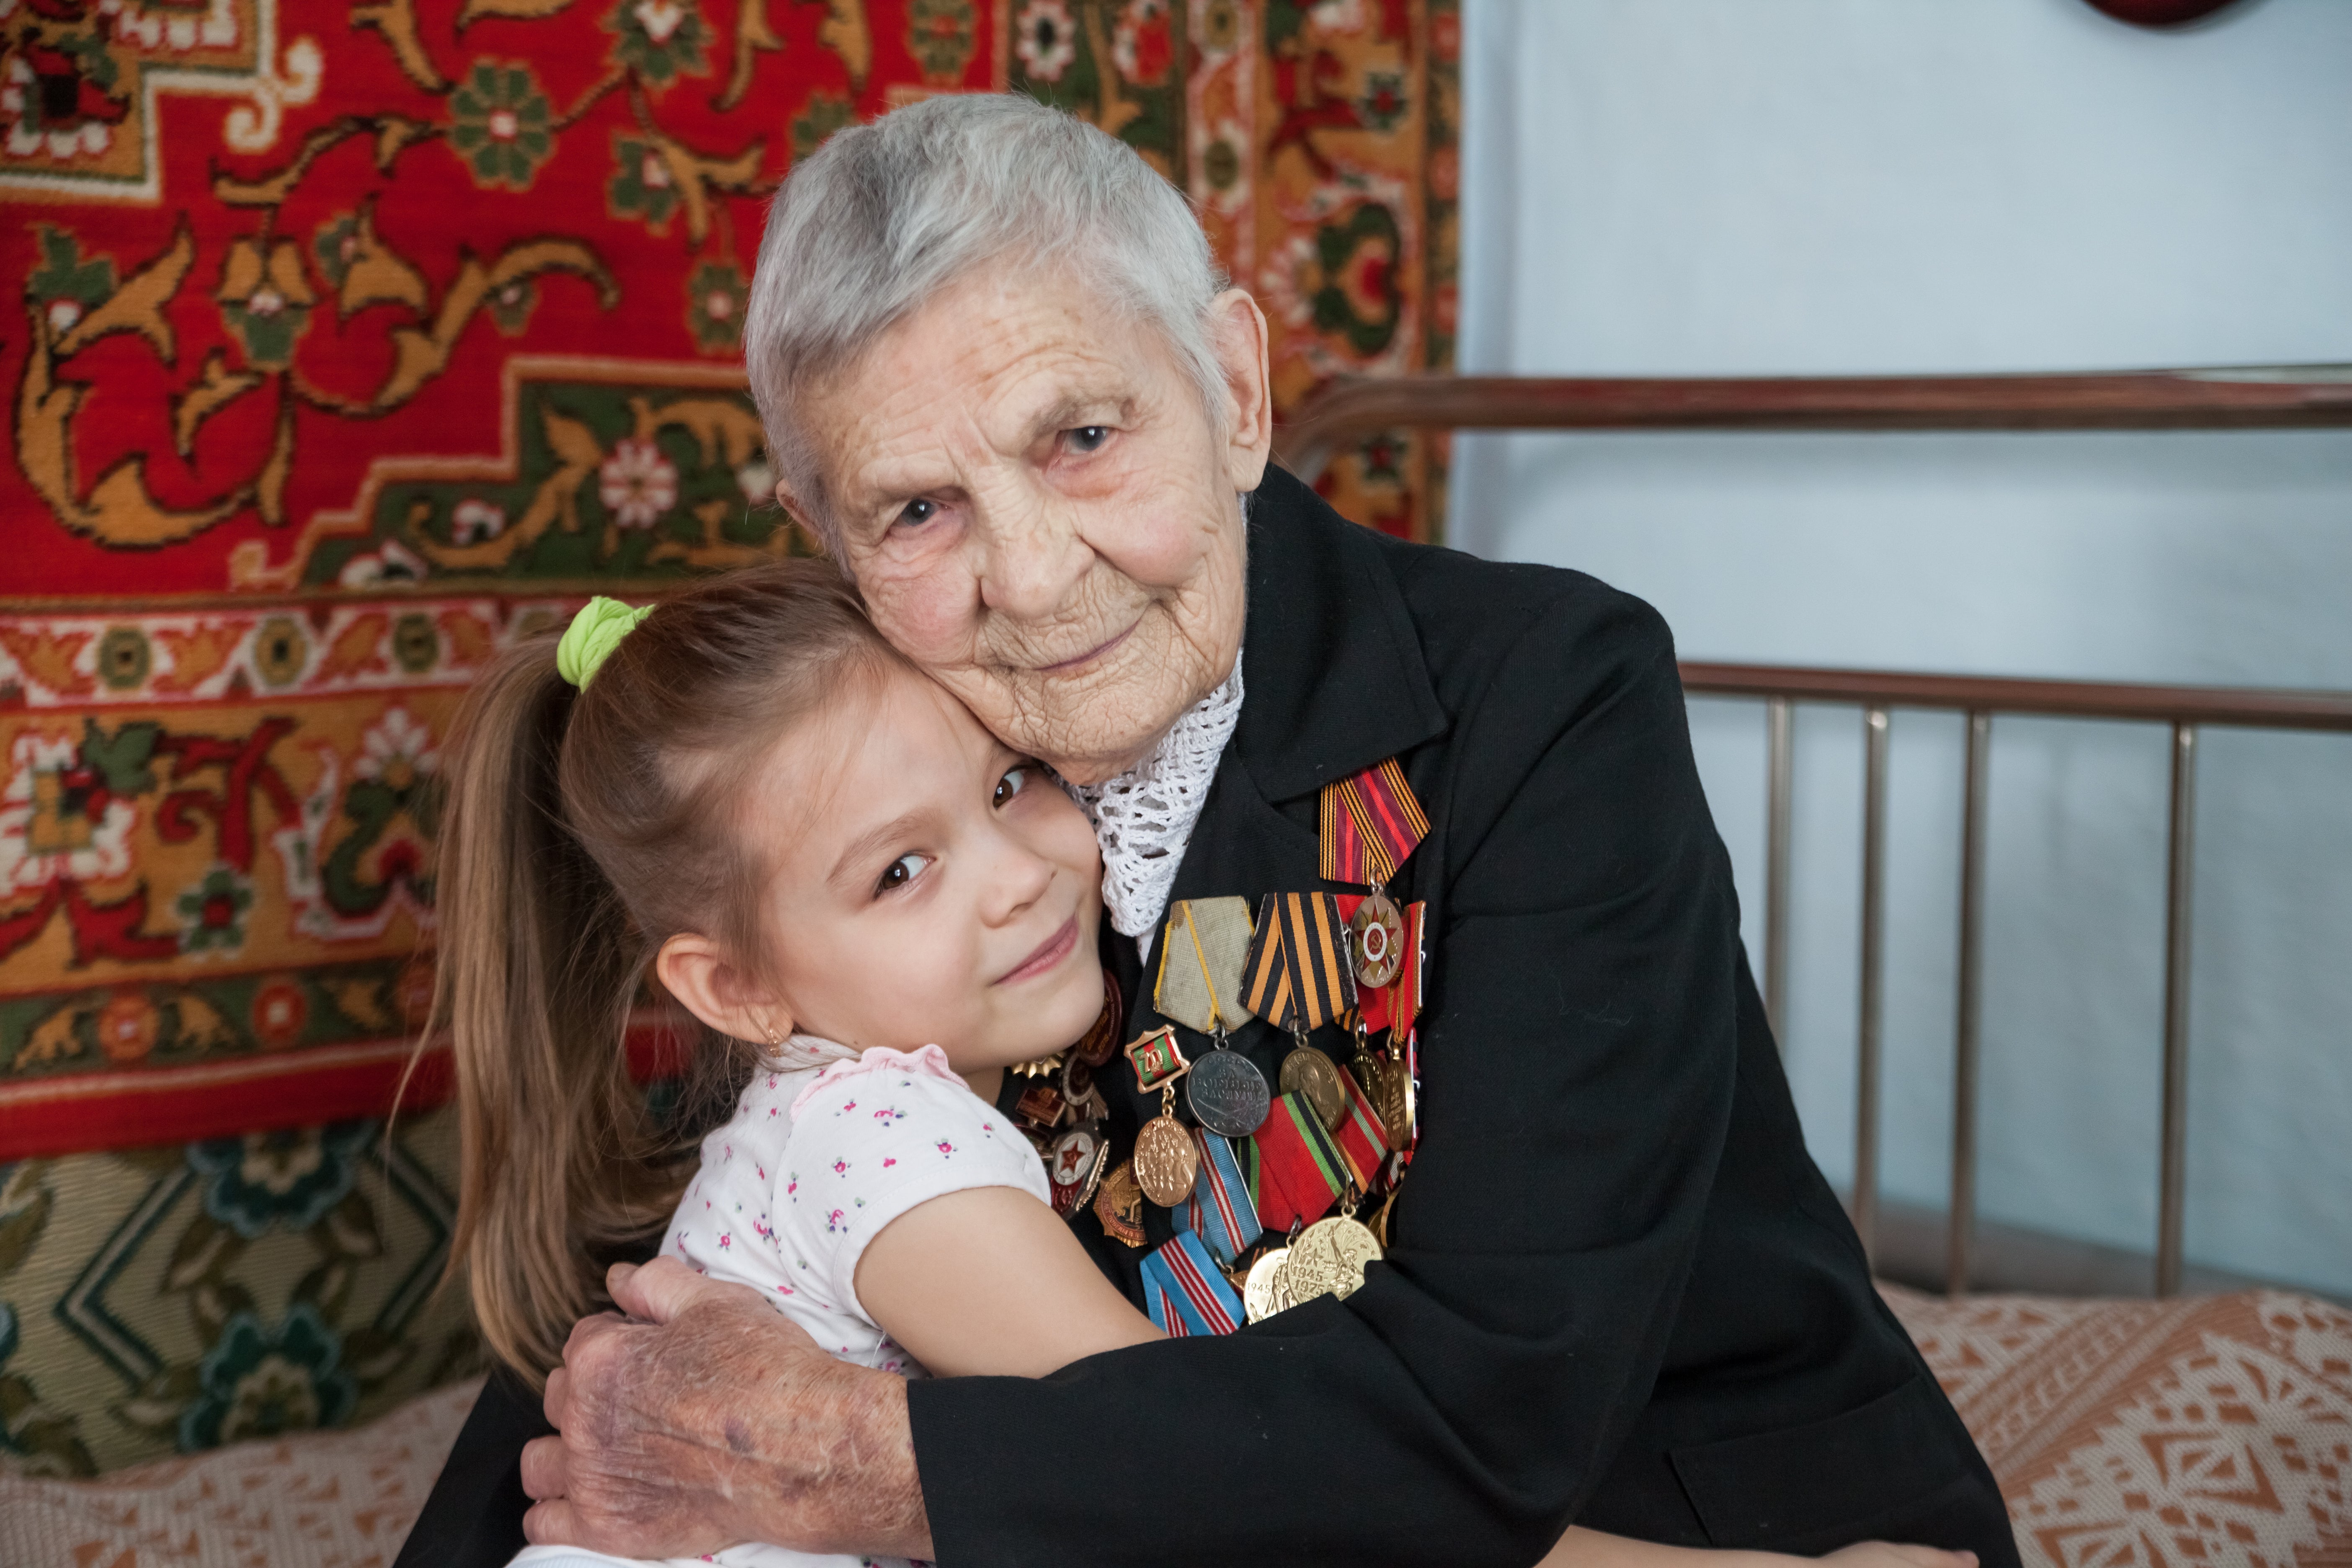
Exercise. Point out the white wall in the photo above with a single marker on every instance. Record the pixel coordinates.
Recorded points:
(1826, 187)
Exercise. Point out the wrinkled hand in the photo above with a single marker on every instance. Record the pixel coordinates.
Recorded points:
(706, 1417)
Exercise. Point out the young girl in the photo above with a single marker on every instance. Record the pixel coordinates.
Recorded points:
(871, 907)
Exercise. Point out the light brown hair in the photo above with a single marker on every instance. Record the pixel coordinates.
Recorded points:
(584, 828)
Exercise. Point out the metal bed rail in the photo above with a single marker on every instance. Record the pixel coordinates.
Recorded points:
(2187, 709)
(2244, 397)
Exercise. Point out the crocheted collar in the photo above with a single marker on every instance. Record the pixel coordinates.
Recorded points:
(1143, 818)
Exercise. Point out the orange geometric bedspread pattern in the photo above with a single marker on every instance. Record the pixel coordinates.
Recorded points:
(2214, 1432)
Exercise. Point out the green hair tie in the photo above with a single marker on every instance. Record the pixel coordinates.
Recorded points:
(592, 635)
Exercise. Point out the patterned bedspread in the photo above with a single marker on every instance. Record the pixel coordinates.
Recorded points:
(2215, 1431)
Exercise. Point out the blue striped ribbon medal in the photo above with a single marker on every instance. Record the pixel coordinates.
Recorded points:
(1220, 1211)
(1185, 1293)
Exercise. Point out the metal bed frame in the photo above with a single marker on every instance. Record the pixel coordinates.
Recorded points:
(2265, 398)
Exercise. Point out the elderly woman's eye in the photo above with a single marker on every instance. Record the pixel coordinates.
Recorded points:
(1014, 781)
(1089, 438)
(918, 512)
(903, 870)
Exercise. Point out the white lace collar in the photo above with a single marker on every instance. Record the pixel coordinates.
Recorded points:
(1143, 818)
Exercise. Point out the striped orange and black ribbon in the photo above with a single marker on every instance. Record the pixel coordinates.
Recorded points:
(1297, 975)
(1370, 823)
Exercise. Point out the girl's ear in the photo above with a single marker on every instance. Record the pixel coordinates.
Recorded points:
(693, 970)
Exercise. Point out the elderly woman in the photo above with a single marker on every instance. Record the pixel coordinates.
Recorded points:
(1002, 379)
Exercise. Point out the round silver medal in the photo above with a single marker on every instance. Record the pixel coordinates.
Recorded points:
(1227, 1093)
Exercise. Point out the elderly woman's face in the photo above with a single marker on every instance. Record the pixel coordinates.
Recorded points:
(1040, 513)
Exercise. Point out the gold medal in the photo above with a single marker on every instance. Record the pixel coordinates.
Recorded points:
(1119, 1206)
(1049, 1063)
(1166, 1164)
(1328, 1260)
(1310, 1074)
(1376, 940)
(1262, 1292)
(1379, 1226)
(1101, 1042)
(1390, 1089)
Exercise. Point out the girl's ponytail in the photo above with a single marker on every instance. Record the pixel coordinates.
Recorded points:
(581, 829)
(535, 999)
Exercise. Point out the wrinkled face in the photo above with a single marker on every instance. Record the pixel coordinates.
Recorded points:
(1041, 513)
(930, 886)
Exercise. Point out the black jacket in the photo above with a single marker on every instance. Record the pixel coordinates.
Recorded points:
(1618, 1293)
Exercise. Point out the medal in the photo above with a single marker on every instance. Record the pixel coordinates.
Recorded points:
(1074, 1164)
(1314, 1076)
(1042, 1105)
(1165, 1162)
(1264, 1295)
(1298, 975)
(1166, 1165)
(1041, 1068)
(1299, 1173)
(1119, 1206)
(1185, 1293)
(1376, 933)
(1361, 1133)
(1370, 823)
(1201, 987)
(1227, 1093)
(1101, 1042)
(1390, 1089)
(1387, 1075)
(1328, 1260)
(1218, 1211)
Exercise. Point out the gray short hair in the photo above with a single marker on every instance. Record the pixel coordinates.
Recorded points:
(885, 216)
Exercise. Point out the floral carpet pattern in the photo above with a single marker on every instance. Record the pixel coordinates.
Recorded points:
(354, 342)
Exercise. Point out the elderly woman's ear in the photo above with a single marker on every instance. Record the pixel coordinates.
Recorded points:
(1237, 332)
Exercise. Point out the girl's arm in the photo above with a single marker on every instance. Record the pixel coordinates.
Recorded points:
(1582, 1548)
(989, 1280)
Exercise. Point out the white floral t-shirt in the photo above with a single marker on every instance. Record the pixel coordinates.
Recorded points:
(813, 1165)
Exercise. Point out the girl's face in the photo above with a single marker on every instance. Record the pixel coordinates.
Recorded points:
(930, 886)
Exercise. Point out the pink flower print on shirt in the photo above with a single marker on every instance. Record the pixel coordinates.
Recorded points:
(726, 1240)
(835, 1221)
(847, 1106)
(889, 1162)
(889, 1114)
(945, 1147)
(841, 1167)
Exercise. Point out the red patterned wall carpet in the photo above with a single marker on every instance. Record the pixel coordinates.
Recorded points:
(355, 340)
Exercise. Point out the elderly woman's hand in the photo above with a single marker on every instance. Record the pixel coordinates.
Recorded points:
(705, 1417)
